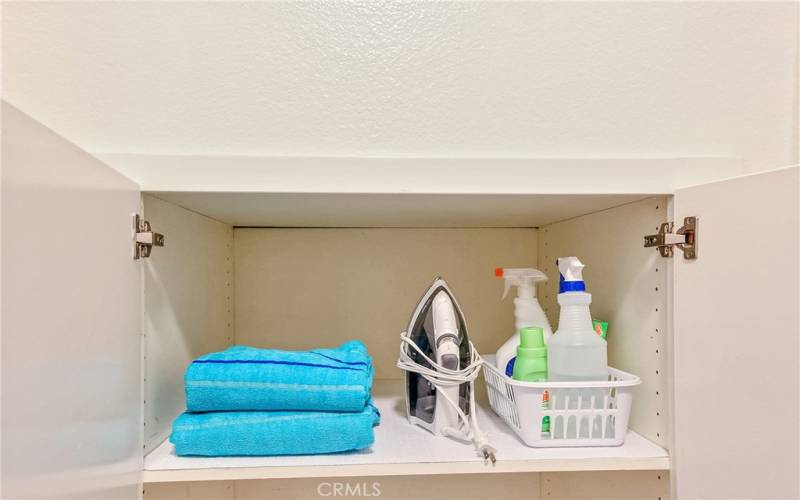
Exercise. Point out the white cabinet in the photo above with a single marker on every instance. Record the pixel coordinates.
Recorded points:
(736, 370)
(95, 343)
(71, 318)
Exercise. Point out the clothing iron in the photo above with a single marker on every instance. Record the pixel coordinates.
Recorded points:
(441, 365)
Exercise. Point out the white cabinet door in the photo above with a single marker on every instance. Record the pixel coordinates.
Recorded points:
(71, 321)
(736, 336)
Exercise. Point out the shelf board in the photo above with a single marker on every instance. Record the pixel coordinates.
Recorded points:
(475, 175)
(403, 449)
(409, 192)
(364, 210)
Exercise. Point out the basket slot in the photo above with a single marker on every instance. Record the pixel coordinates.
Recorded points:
(501, 398)
(558, 424)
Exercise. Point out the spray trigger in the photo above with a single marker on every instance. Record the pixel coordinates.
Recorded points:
(523, 278)
(506, 289)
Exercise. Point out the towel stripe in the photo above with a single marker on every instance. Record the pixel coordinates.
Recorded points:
(272, 362)
(279, 386)
(361, 363)
(266, 417)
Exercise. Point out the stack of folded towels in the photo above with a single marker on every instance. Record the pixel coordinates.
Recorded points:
(247, 401)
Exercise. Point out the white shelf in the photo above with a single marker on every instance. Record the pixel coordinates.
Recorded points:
(392, 210)
(535, 175)
(409, 192)
(403, 449)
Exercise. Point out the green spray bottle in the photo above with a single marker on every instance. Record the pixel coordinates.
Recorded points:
(531, 363)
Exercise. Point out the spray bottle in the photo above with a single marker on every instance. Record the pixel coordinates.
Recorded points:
(576, 352)
(527, 311)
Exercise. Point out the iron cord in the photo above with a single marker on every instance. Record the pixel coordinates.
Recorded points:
(442, 377)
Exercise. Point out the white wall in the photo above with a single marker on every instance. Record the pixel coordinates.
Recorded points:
(537, 79)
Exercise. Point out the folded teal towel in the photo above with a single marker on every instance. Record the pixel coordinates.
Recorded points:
(232, 433)
(246, 378)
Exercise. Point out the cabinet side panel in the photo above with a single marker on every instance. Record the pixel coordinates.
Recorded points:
(71, 320)
(306, 288)
(737, 334)
(188, 297)
(628, 287)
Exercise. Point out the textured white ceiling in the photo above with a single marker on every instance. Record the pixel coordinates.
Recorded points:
(411, 79)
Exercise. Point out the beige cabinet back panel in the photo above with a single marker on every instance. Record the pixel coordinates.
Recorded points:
(302, 288)
(628, 287)
(188, 306)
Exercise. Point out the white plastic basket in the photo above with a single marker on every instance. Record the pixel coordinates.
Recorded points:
(581, 413)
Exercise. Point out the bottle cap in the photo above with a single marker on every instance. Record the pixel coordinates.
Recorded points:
(531, 336)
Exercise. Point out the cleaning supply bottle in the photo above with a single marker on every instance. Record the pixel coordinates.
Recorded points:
(531, 363)
(527, 311)
(576, 352)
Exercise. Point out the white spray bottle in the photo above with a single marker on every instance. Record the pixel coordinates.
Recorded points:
(576, 352)
(527, 311)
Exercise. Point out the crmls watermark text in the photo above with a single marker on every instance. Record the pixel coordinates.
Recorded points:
(349, 489)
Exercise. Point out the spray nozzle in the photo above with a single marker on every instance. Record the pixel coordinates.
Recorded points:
(524, 278)
(571, 271)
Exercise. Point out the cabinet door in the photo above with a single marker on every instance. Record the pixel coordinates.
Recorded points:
(71, 320)
(736, 340)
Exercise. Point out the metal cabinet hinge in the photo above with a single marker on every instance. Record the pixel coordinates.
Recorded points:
(685, 238)
(144, 238)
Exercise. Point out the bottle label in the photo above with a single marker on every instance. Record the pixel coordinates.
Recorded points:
(510, 367)
(546, 418)
(600, 328)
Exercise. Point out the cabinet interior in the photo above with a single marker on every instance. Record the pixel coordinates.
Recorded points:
(215, 285)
